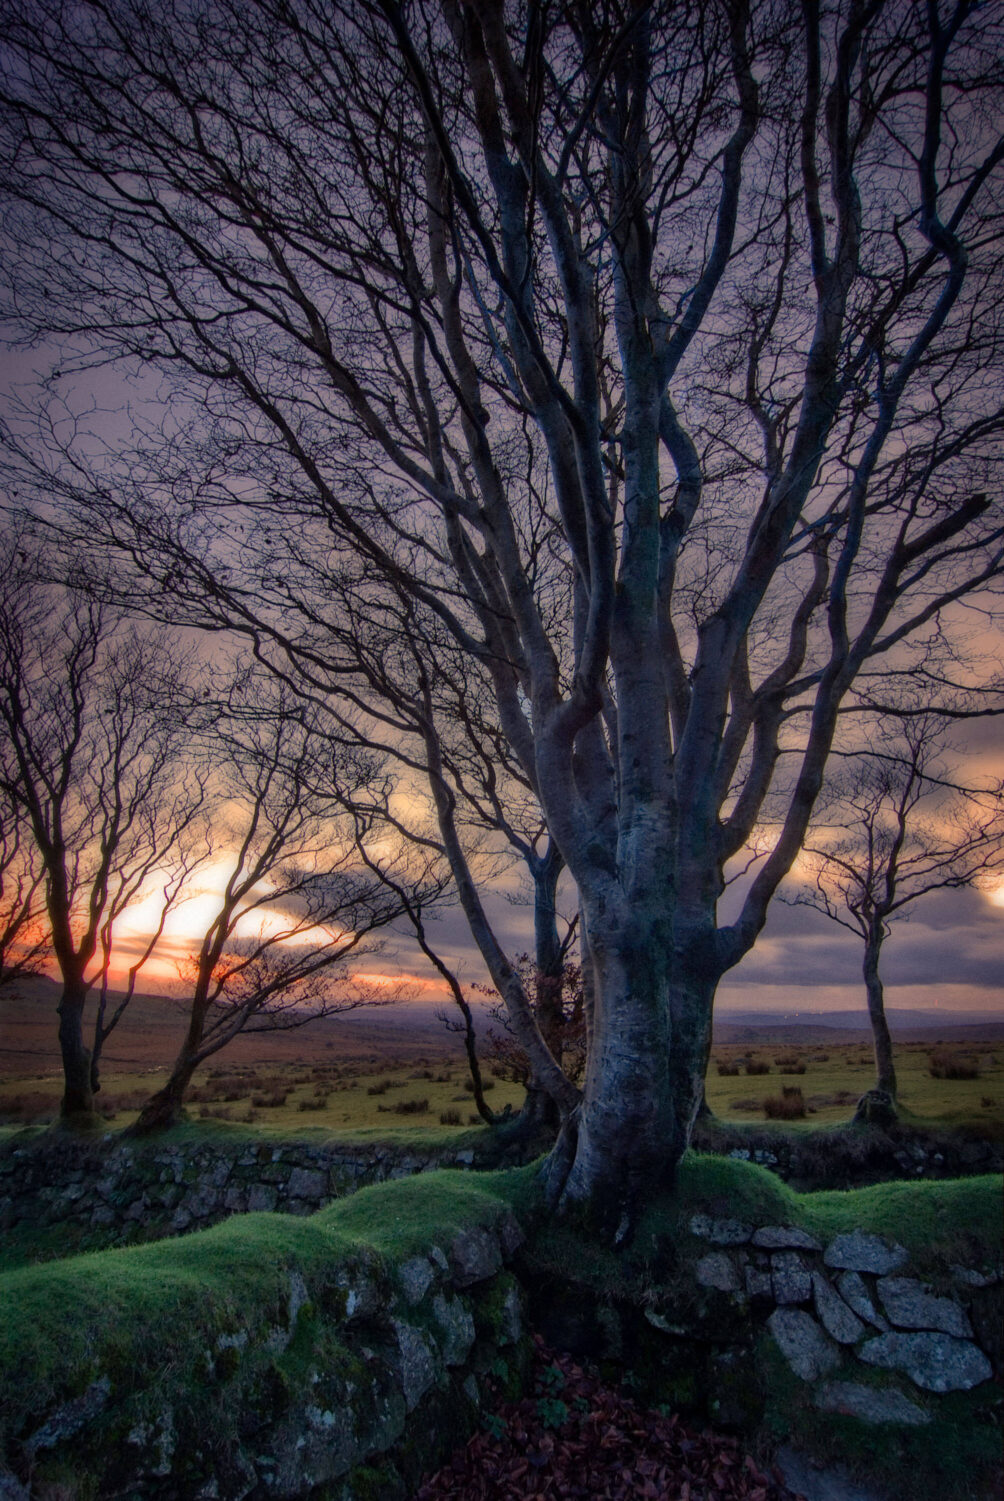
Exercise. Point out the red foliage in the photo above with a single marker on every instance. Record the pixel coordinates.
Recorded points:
(575, 1439)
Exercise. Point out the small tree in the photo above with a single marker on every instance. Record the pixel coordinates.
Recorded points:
(298, 897)
(94, 716)
(902, 830)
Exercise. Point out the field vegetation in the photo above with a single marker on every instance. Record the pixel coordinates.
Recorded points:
(947, 1084)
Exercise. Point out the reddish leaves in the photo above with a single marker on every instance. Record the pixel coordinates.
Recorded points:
(574, 1439)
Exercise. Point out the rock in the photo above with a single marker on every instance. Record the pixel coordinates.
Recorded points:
(909, 1305)
(790, 1277)
(872, 1404)
(785, 1238)
(456, 1328)
(802, 1343)
(510, 1234)
(861, 1251)
(415, 1277)
(968, 1276)
(720, 1232)
(70, 1418)
(262, 1196)
(856, 1295)
(759, 1284)
(804, 1476)
(475, 1255)
(936, 1362)
(719, 1271)
(307, 1183)
(416, 1363)
(836, 1318)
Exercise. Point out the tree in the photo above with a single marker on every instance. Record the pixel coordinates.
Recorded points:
(22, 933)
(300, 894)
(91, 765)
(649, 355)
(904, 829)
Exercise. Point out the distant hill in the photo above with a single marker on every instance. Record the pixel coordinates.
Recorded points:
(150, 1033)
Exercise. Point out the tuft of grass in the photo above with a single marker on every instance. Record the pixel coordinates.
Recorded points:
(789, 1105)
(945, 1065)
(757, 1066)
(449, 1117)
(726, 1070)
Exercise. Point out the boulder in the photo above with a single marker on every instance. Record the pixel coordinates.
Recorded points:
(475, 1255)
(855, 1294)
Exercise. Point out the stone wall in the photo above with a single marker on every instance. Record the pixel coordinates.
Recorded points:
(104, 1190)
(349, 1373)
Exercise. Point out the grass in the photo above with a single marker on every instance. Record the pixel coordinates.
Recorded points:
(347, 1096)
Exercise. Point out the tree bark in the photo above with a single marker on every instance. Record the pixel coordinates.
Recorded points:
(885, 1071)
(78, 1095)
(166, 1108)
(644, 1082)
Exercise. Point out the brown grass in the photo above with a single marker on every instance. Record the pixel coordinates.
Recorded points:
(789, 1105)
(942, 1064)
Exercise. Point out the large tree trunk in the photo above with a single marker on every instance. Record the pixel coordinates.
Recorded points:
(885, 1071)
(78, 1095)
(644, 1083)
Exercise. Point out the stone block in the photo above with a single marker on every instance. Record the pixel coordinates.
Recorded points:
(719, 1271)
(936, 1362)
(790, 1277)
(802, 1343)
(854, 1291)
(785, 1238)
(839, 1321)
(860, 1251)
(870, 1404)
(909, 1305)
(475, 1255)
(721, 1232)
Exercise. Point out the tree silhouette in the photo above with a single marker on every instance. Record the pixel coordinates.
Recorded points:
(903, 828)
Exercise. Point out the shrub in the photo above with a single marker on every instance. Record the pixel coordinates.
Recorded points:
(726, 1070)
(756, 1066)
(449, 1117)
(786, 1106)
(406, 1107)
(987, 1101)
(790, 1063)
(319, 1102)
(474, 1119)
(422, 1073)
(270, 1101)
(486, 1085)
(380, 1087)
(944, 1065)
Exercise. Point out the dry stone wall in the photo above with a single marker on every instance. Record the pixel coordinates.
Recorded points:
(107, 1190)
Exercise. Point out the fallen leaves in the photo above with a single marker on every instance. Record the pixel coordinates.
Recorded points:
(605, 1448)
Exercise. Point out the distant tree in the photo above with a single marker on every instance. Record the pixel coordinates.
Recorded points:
(95, 720)
(902, 829)
(299, 897)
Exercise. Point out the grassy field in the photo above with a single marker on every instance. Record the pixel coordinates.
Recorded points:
(433, 1092)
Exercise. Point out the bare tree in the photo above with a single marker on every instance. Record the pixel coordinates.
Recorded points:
(300, 893)
(903, 828)
(23, 946)
(651, 354)
(91, 762)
